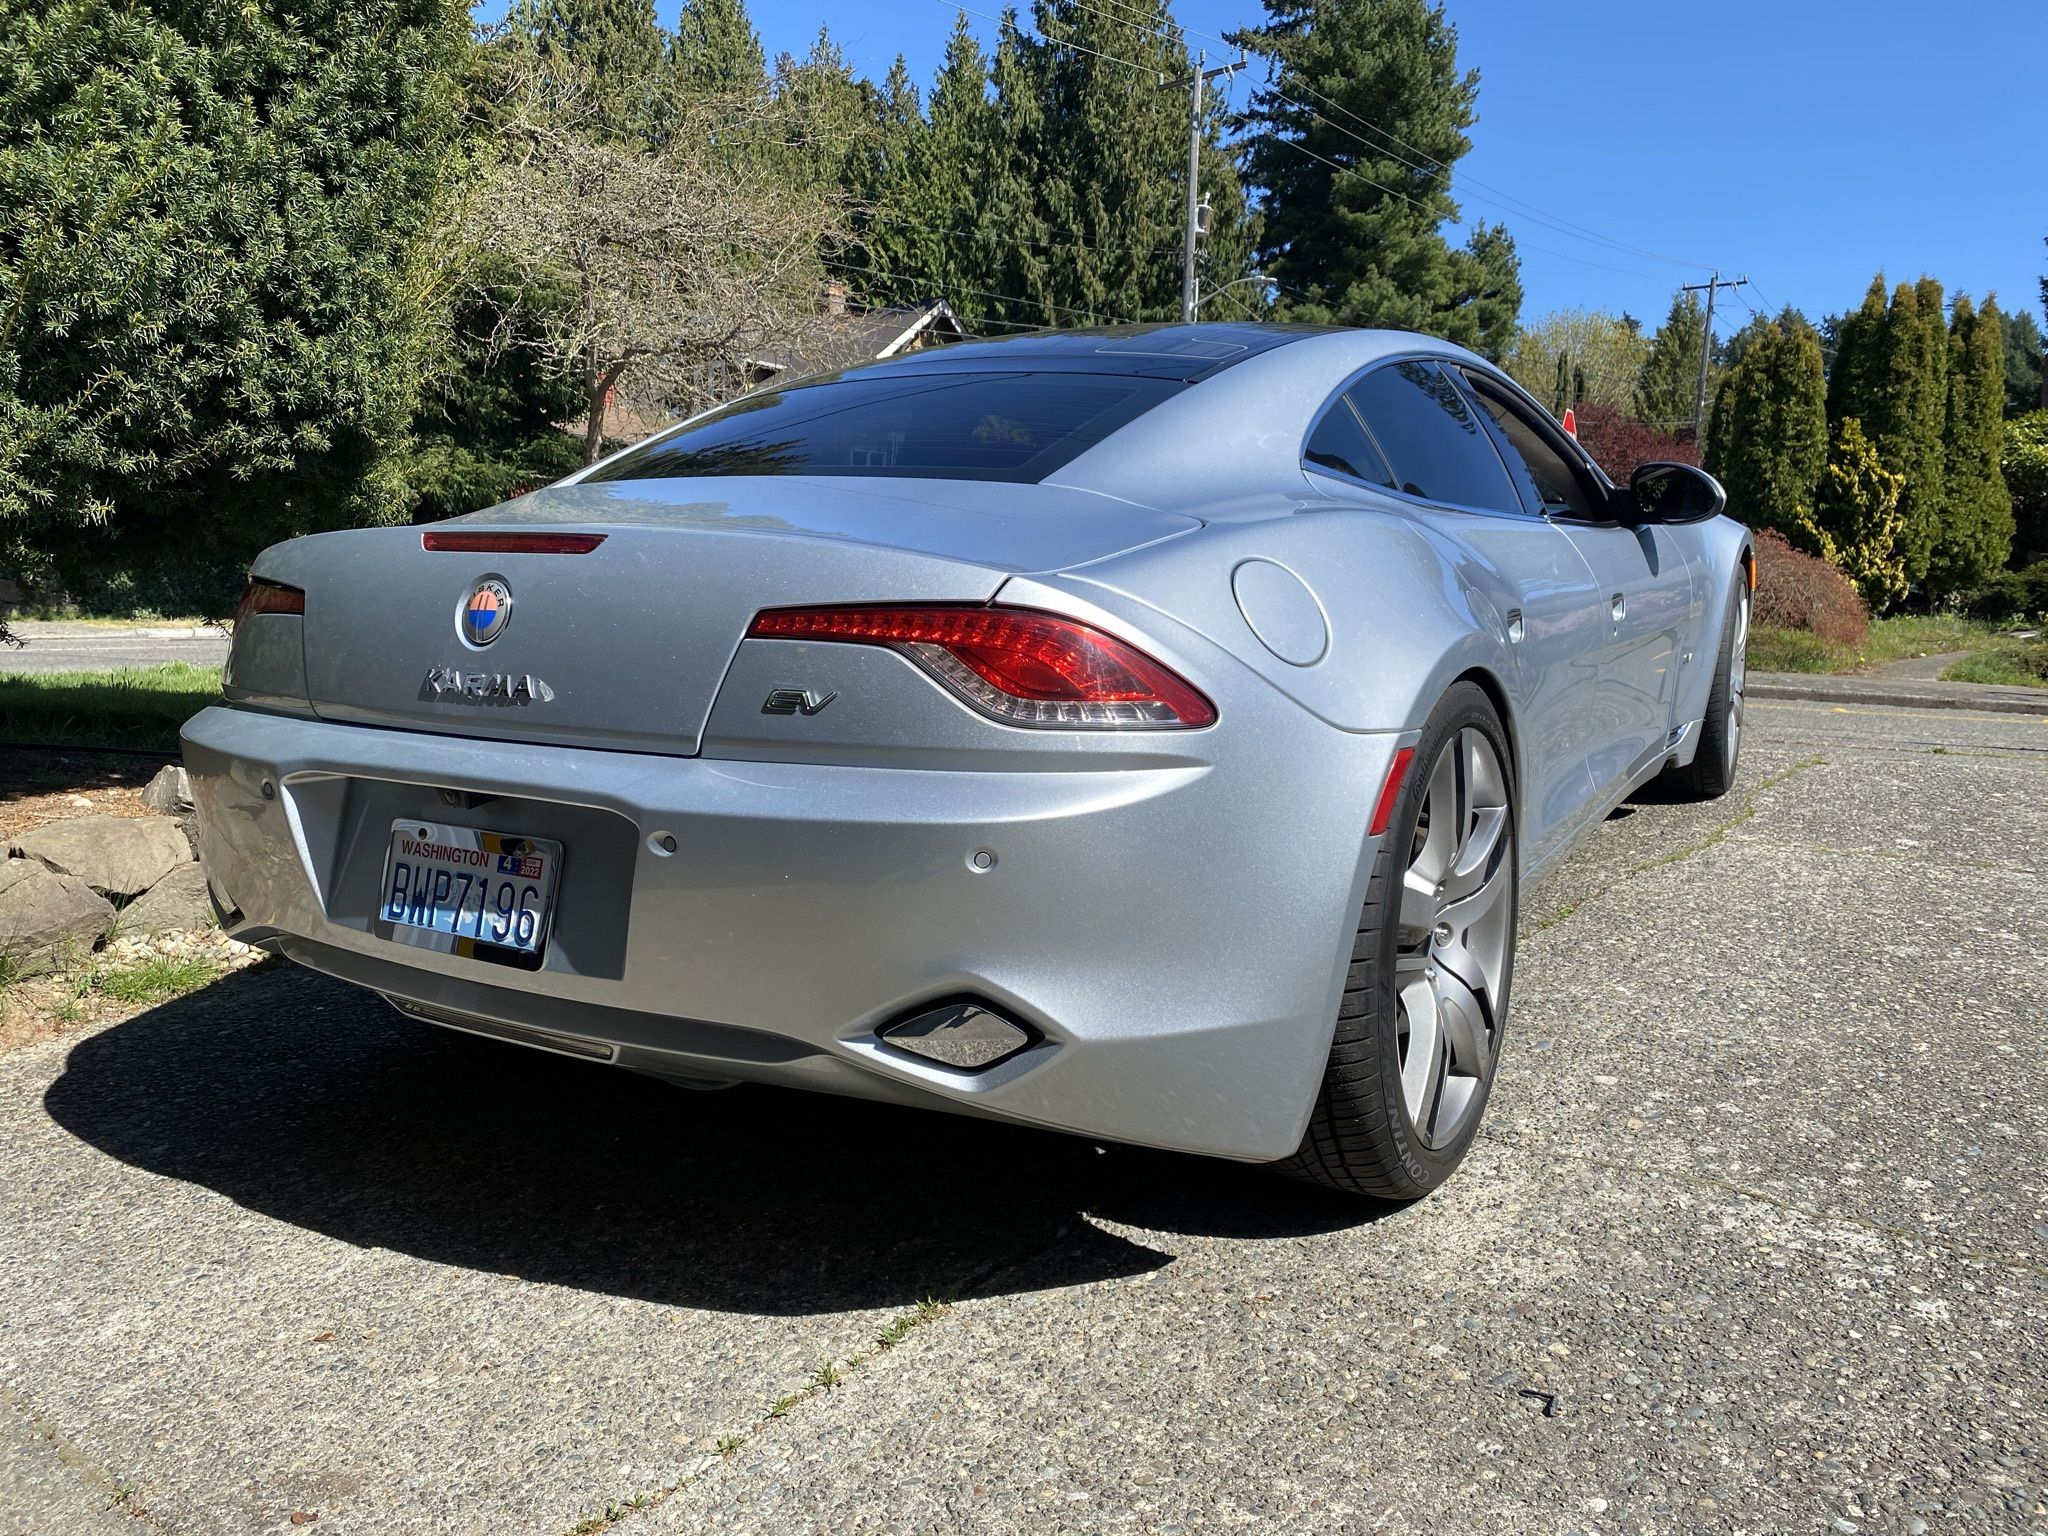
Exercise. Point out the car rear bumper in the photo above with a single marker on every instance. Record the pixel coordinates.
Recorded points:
(1175, 936)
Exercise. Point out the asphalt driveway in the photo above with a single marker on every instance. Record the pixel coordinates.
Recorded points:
(1756, 1240)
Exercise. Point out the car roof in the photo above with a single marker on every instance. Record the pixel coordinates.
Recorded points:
(1185, 352)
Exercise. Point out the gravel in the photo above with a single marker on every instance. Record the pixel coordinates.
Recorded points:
(1756, 1239)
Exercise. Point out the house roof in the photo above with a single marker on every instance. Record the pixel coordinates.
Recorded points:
(867, 335)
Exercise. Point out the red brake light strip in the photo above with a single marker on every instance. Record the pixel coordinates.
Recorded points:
(511, 543)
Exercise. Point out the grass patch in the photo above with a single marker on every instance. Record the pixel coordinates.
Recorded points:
(140, 707)
(1796, 650)
(1995, 657)
(156, 980)
(2015, 663)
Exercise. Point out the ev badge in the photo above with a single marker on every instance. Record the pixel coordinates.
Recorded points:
(796, 701)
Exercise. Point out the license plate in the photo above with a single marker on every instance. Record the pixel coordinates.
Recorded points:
(465, 891)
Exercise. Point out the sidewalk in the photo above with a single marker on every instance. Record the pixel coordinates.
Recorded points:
(1897, 692)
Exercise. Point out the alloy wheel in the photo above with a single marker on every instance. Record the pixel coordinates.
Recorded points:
(1453, 944)
(1738, 671)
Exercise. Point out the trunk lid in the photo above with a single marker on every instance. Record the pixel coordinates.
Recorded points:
(625, 646)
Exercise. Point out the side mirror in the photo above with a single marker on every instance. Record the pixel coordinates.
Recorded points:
(1675, 493)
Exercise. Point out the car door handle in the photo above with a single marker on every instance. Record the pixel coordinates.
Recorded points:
(1620, 607)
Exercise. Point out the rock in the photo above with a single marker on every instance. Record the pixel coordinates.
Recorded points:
(169, 792)
(115, 855)
(45, 917)
(179, 900)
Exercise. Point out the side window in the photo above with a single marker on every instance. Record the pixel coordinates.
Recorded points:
(1340, 443)
(1551, 482)
(1430, 432)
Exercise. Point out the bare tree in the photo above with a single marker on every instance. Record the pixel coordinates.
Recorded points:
(679, 267)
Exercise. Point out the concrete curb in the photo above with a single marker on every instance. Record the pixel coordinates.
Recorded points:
(1900, 694)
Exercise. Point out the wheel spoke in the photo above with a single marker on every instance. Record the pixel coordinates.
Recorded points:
(1462, 1018)
(1420, 904)
(1456, 906)
(1440, 843)
(1421, 1056)
(1475, 859)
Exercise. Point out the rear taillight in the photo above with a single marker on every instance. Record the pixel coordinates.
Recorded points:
(261, 596)
(511, 543)
(1020, 667)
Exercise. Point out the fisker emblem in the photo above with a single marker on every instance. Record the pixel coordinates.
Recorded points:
(796, 701)
(486, 613)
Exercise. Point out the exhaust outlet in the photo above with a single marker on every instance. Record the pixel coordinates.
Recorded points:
(968, 1037)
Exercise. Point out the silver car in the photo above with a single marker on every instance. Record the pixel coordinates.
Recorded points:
(1140, 733)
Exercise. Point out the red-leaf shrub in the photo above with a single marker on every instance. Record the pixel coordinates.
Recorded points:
(1619, 443)
(1795, 590)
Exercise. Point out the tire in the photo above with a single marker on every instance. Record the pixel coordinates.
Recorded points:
(1429, 972)
(1711, 773)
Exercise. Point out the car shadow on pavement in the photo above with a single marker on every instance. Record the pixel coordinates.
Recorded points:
(317, 1104)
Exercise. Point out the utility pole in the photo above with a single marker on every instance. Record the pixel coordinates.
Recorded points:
(1699, 407)
(1189, 297)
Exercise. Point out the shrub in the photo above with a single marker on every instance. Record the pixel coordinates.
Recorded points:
(2026, 478)
(1795, 590)
(2021, 594)
(1619, 443)
(1855, 525)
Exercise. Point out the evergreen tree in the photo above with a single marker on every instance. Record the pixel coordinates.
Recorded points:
(1770, 440)
(1916, 361)
(1891, 373)
(217, 290)
(617, 48)
(1352, 144)
(1667, 387)
(2024, 462)
(716, 51)
(2023, 365)
(1974, 535)
(829, 119)
(488, 428)
(1854, 374)
(1856, 514)
(1105, 149)
(925, 237)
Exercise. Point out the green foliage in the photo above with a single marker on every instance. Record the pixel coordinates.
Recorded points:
(2021, 594)
(1770, 439)
(2023, 365)
(1352, 144)
(1974, 533)
(716, 50)
(1856, 516)
(615, 44)
(1891, 374)
(1667, 384)
(2024, 461)
(216, 291)
(488, 428)
(139, 707)
(1578, 357)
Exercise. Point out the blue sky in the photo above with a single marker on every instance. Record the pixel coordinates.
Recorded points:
(1808, 143)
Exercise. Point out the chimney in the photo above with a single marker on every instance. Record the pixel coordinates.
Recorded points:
(835, 298)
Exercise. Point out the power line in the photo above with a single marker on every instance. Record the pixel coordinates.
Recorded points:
(1155, 27)
(884, 217)
(1058, 42)
(1558, 221)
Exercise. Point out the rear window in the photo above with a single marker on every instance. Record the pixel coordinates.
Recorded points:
(940, 426)
(1427, 428)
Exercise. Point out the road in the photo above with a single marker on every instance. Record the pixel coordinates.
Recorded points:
(1756, 1239)
(69, 646)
